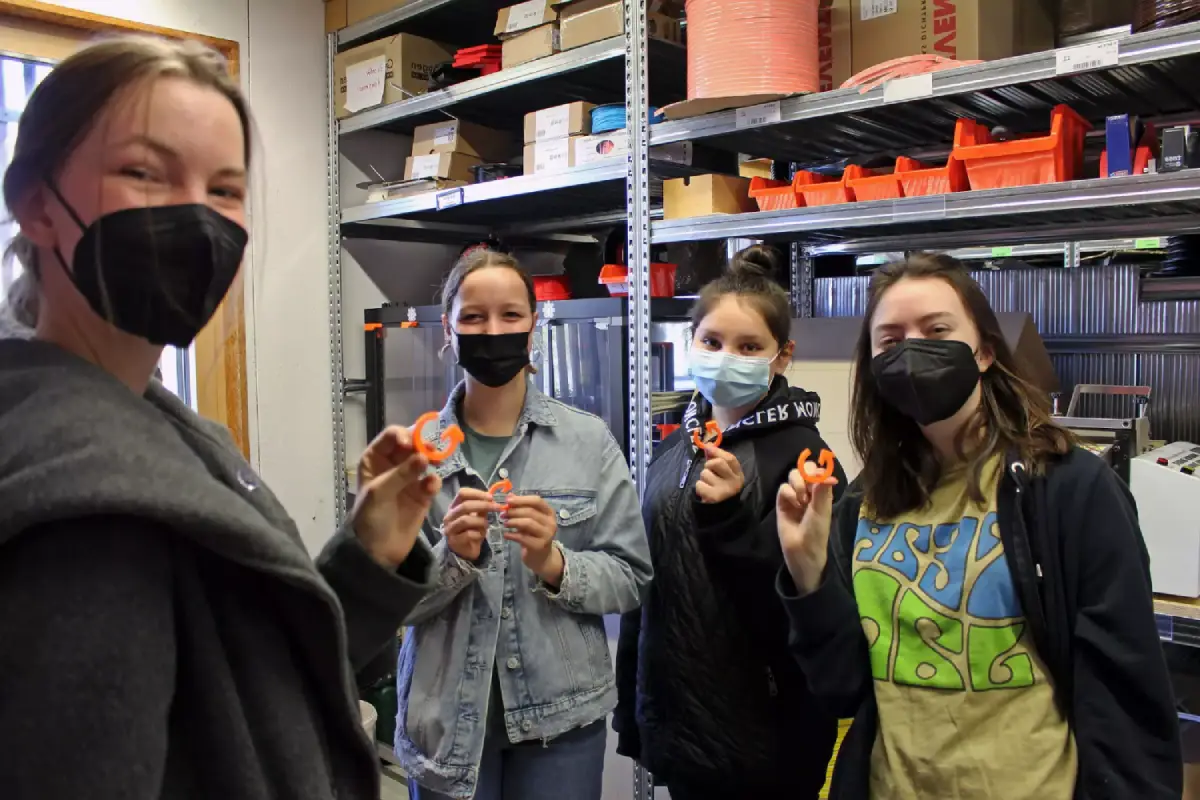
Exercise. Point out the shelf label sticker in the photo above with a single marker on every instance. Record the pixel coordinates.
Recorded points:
(1166, 627)
(763, 114)
(552, 123)
(526, 15)
(909, 88)
(878, 8)
(365, 82)
(425, 167)
(1147, 244)
(1001, 252)
(1086, 56)
(552, 156)
(449, 199)
(444, 135)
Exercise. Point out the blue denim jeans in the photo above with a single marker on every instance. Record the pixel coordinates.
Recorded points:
(568, 767)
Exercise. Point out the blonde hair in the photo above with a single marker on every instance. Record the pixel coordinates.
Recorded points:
(67, 104)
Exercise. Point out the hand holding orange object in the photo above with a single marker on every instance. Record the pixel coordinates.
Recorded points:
(825, 461)
(451, 438)
(503, 487)
(722, 478)
(711, 428)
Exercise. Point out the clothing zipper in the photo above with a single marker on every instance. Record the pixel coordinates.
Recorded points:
(687, 469)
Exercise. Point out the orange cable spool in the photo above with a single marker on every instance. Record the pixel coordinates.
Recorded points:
(740, 48)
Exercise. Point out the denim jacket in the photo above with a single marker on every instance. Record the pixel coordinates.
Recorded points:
(550, 647)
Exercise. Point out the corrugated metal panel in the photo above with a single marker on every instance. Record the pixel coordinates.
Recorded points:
(1090, 300)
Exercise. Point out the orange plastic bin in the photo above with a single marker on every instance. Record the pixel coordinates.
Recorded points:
(911, 178)
(662, 279)
(1055, 157)
(772, 195)
(818, 190)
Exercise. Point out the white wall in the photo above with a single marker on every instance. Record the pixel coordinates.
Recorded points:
(282, 49)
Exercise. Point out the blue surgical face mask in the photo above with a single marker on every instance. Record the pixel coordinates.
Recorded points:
(728, 380)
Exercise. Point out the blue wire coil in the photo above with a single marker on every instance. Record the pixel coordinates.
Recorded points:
(608, 118)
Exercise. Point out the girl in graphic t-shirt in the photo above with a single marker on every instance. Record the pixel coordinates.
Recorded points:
(979, 601)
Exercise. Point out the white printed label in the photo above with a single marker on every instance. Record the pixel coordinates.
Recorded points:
(552, 156)
(365, 82)
(526, 15)
(878, 8)
(909, 88)
(425, 166)
(552, 123)
(753, 116)
(449, 199)
(444, 134)
(590, 149)
(1086, 56)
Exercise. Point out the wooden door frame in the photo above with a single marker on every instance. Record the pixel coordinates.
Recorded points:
(220, 349)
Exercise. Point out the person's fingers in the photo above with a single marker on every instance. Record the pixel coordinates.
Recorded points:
(706, 492)
(719, 467)
(457, 527)
(395, 480)
(526, 527)
(788, 502)
(529, 501)
(471, 508)
(471, 495)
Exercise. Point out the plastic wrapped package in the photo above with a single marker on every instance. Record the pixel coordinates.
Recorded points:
(1082, 16)
(1152, 14)
(740, 48)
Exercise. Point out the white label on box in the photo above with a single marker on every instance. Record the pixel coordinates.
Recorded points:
(425, 166)
(878, 8)
(526, 15)
(753, 116)
(908, 88)
(365, 82)
(1086, 56)
(552, 156)
(444, 134)
(589, 149)
(552, 123)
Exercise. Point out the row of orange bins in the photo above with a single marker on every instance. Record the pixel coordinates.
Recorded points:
(975, 162)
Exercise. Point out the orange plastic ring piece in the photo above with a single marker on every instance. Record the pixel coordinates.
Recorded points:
(825, 461)
(712, 429)
(452, 437)
(503, 487)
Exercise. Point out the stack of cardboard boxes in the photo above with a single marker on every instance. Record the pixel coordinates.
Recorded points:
(385, 71)
(552, 136)
(449, 151)
(585, 21)
(340, 13)
(854, 35)
(529, 31)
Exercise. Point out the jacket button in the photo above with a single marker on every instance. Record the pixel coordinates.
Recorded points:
(563, 513)
(503, 472)
(513, 662)
(247, 479)
(505, 612)
(526, 725)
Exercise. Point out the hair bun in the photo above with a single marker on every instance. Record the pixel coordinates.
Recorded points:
(756, 261)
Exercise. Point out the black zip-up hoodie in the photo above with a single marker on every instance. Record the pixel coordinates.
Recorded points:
(1082, 576)
(708, 694)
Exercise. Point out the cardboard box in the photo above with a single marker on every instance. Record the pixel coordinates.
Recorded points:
(358, 10)
(550, 156)
(588, 21)
(757, 168)
(572, 119)
(335, 15)
(834, 43)
(451, 166)
(457, 136)
(530, 46)
(959, 29)
(701, 195)
(385, 71)
(599, 146)
(524, 16)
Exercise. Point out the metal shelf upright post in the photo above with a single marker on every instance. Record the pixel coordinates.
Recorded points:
(336, 374)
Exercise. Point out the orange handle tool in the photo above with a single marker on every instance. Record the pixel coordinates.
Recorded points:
(824, 461)
(503, 487)
(711, 429)
(451, 438)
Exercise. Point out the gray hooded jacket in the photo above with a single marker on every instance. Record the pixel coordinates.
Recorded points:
(164, 632)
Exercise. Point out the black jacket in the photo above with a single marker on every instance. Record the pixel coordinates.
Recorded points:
(708, 693)
(1081, 574)
(163, 631)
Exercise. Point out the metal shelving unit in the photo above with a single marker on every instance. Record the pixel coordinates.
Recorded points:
(1151, 75)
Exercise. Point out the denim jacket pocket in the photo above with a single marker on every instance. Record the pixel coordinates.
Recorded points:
(574, 509)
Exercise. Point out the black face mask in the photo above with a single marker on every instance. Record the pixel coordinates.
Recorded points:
(493, 359)
(927, 380)
(157, 272)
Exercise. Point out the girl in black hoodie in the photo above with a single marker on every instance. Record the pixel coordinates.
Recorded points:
(709, 699)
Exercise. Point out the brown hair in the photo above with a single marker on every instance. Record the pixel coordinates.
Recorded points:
(67, 104)
(751, 275)
(474, 260)
(900, 468)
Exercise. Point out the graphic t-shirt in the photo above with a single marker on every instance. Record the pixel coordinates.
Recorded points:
(966, 708)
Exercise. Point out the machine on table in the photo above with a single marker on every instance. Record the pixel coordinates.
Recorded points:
(1117, 440)
(581, 352)
(1166, 485)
